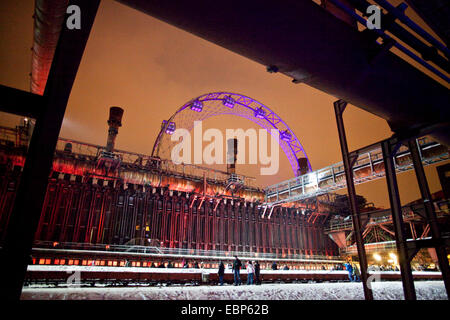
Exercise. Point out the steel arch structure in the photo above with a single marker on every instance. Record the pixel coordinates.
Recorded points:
(227, 103)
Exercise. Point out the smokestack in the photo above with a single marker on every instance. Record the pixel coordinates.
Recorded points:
(302, 165)
(68, 147)
(232, 150)
(114, 122)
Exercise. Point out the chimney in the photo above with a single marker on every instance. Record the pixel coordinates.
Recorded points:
(232, 150)
(302, 165)
(114, 122)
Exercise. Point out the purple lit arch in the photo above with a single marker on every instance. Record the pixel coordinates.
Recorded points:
(222, 103)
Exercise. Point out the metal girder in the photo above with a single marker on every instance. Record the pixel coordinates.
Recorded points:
(435, 13)
(425, 231)
(430, 214)
(21, 103)
(428, 243)
(397, 219)
(192, 201)
(217, 204)
(339, 107)
(31, 191)
(201, 202)
(380, 90)
(366, 231)
(389, 23)
(413, 230)
(389, 149)
(370, 157)
(386, 229)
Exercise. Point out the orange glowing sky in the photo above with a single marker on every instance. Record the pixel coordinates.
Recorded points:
(150, 69)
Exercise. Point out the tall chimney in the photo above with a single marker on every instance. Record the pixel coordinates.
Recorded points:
(232, 150)
(114, 122)
(302, 165)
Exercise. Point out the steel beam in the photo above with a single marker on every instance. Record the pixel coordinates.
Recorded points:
(25, 215)
(397, 219)
(20, 102)
(339, 107)
(430, 213)
(428, 53)
(288, 25)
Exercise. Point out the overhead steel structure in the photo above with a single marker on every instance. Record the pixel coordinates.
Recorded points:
(406, 250)
(305, 42)
(368, 166)
(48, 110)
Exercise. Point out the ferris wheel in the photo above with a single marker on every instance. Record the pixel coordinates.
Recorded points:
(226, 103)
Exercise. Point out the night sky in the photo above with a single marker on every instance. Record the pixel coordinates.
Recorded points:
(150, 69)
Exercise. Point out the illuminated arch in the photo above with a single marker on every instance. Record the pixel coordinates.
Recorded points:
(226, 103)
